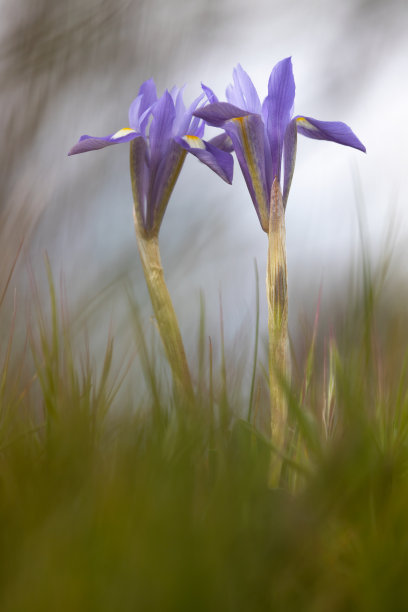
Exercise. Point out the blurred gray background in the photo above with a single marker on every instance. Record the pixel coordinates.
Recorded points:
(70, 67)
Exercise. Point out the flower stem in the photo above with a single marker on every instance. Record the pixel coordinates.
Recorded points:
(277, 296)
(166, 318)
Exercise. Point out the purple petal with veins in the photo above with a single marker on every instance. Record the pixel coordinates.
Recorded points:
(278, 109)
(218, 113)
(139, 175)
(185, 122)
(243, 93)
(161, 127)
(289, 158)
(211, 97)
(248, 137)
(219, 161)
(223, 142)
(162, 182)
(334, 131)
(138, 111)
(93, 143)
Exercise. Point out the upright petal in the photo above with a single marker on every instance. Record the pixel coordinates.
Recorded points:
(185, 122)
(218, 113)
(149, 97)
(134, 112)
(247, 135)
(161, 127)
(197, 127)
(243, 93)
(146, 97)
(179, 107)
(93, 143)
(149, 93)
(219, 161)
(334, 131)
(211, 97)
(278, 109)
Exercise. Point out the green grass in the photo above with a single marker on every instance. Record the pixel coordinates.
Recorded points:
(108, 503)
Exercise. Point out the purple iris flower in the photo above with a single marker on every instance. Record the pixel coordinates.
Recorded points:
(161, 131)
(265, 135)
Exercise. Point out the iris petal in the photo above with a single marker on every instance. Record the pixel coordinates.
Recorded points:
(334, 131)
(218, 113)
(93, 143)
(139, 177)
(185, 122)
(180, 109)
(162, 185)
(247, 136)
(223, 142)
(289, 158)
(211, 97)
(277, 110)
(219, 161)
(134, 113)
(243, 93)
(161, 127)
(146, 97)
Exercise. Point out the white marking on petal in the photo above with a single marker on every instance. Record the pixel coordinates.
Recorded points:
(302, 122)
(194, 142)
(123, 132)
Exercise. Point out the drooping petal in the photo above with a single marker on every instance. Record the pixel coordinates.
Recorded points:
(243, 93)
(223, 142)
(334, 131)
(93, 143)
(247, 136)
(289, 158)
(211, 97)
(219, 161)
(218, 113)
(278, 109)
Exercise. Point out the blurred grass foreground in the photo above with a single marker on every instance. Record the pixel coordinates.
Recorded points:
(113, 501)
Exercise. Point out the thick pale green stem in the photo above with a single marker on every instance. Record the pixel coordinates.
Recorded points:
(164, 312)
(277, 296)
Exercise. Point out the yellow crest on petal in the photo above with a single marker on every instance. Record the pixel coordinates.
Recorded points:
(194, 142)
(123, 132)
(302, 122)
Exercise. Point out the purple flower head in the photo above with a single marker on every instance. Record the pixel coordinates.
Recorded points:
(263, 135)
(161, 131)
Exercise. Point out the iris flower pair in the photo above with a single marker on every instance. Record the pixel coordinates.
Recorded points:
(264, 137)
